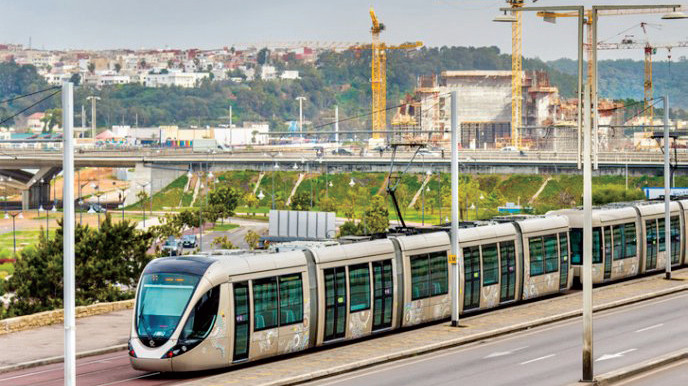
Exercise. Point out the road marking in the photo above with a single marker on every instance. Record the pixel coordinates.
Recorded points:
(650, 328)
(130, 379)
(614, 356)
(537, 359)
(502, 353)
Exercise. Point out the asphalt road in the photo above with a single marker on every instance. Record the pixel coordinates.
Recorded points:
(549, 355)
(675, 374)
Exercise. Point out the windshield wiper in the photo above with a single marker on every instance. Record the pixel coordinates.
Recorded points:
(142, 322)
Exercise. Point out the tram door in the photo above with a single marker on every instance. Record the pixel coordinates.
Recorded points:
(651, 256)
(241, 321)
(564, 260)
(607, 253)
(471, 268)
(508, 279)
(383, 294)
(335, 303)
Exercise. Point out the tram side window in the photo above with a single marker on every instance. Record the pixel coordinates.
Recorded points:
(439, 273)
(202, 316)
(675, 237)
(536, 257)
(618, 234)
(429, 275)
(576, 246)
(630, 239)
(490, 264)
(596, 245)
(359, 280)
(551, 256)
(662, 245)
(290, 299)
(265, 303)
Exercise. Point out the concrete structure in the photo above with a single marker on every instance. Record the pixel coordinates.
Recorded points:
(175, 78)
(252, 134)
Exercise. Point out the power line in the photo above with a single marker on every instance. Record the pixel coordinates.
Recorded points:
(31, 106)
(356, 117)
(29, 94)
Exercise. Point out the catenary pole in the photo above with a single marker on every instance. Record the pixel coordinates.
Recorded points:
(587, 241)
(453, 259)
(667, 189)
(68, 235)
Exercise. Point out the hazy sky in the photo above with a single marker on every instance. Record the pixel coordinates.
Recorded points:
(98, 24)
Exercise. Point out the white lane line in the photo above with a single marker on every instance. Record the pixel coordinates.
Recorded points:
(61, 368)
(650, 328)
(129, 379)
(502, 353)
(537, 359)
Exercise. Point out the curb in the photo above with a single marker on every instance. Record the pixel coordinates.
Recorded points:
(613, 377)
(465, 340)
(60, 359)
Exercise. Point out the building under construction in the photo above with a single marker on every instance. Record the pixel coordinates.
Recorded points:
(483, 106)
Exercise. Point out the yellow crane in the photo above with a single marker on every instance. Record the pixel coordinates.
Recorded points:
(378, 74)
(649, 49)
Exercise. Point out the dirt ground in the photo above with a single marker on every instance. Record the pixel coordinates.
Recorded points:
(103, 177)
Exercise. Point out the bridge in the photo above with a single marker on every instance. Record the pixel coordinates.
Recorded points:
(159, 167)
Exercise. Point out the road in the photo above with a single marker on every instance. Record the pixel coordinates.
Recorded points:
(236, 236)
(549, 355)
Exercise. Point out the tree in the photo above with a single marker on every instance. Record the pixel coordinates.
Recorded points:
(222, 242)
(76, 79)
(142, 195)
(301, 201)
(263, 56)
(223, 200)
(91, 67)
(118, 67)
(327, 204)
(51, 119)
(108, 260)
(252, 238)
(251, 201)
(350, 228)
(376, 216)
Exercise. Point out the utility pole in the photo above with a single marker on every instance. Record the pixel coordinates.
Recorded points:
(667, 189)
(230, 126)
(587, 241)
(93, 100)
(301, 99)
(336, 125)
(453, 258)
(83, 118)
(68, 235)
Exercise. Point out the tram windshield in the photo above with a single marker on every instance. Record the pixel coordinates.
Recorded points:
(162, 300)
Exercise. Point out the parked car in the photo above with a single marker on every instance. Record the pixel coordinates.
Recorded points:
(341, 151)
(428, 153)
(172, 247)
(189, 241)
(98, 208)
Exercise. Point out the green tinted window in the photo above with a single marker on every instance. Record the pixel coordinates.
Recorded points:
(618, 234)
(359, 281)
(290, 299)
(576, 246)
(490, 264)
(675, 239)
(551, 255)
(662, 245)
(629, 239)
(536, 256)
(563, 246)
(439, 273)
(265, 303)
(419, 277)
(596, 245)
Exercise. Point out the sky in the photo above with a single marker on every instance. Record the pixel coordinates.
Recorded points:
(134, 24)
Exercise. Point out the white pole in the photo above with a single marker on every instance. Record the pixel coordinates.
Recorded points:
(587, 242)
(68, 232)
(667, 189)
(454, 258)
(336, 125)
(83, 118)
(301, 99)
(93, 117)
(230, 125)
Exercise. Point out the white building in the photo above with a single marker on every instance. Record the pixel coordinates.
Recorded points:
(268, 72)
(112, 79)
(174, 78)
(290, 74)
(254, 134)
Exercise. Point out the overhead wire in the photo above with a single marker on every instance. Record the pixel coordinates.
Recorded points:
(29, 107)
(29, 94)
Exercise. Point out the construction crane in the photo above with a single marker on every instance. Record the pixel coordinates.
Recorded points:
(516, 74)
(378, 74)
(649, 49)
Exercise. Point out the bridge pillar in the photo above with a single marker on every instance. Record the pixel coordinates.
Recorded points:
(38, 193)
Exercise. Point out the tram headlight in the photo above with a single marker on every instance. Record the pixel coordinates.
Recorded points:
(181, 347)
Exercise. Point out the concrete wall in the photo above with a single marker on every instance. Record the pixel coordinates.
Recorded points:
(154, 179)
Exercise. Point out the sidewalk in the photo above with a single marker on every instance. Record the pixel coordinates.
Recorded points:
(107, 330)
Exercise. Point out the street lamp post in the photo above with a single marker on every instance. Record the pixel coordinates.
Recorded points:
(301, 99)
(14, 229)
(93, 100)
(143, 208)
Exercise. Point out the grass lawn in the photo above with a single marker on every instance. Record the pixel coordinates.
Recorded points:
(224, 227)
(24, 239)
(6, 269)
